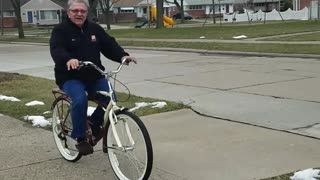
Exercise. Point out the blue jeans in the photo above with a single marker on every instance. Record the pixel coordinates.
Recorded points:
(76, 90)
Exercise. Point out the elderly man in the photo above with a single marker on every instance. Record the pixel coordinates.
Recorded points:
(76, 40)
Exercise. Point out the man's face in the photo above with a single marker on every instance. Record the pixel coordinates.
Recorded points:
(77, 13)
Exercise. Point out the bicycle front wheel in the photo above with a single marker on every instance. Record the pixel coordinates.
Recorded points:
(134, 160)
(62, 127)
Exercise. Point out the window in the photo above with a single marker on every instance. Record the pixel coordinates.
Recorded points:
(48, 15)
(8, 14)
(195, 7)
(127, 10)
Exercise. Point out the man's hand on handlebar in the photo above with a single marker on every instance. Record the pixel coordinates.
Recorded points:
(127, 59)
(73, 64)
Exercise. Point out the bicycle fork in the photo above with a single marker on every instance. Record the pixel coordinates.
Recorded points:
(119, 145)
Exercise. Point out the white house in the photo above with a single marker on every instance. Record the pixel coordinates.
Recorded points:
(41, 12)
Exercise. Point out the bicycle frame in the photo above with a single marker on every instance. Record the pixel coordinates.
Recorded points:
(112, 107)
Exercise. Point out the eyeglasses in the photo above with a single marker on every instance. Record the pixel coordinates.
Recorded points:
(76, 11)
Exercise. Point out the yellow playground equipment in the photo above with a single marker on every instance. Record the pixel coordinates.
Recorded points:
(167, 21)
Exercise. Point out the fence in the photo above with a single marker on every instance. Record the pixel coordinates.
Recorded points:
(303, 14)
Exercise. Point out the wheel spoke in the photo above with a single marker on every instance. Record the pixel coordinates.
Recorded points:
(134, 161)
(61, 133)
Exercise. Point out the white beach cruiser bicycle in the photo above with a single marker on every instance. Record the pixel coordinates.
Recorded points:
(125, 138)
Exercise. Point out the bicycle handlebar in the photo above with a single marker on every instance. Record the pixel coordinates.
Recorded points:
(110, 73)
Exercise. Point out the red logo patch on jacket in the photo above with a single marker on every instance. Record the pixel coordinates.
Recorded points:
(93, 38)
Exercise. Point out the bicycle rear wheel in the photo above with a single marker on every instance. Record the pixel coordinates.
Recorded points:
(135, 160)
(62, 127)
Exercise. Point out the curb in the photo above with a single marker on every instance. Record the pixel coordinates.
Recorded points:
(201, 51)
(235, 53)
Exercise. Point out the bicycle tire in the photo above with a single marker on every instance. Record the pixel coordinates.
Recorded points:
(61, 129)
(135, 163)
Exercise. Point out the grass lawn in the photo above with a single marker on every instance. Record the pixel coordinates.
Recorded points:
(220, 32)
(28, 88)
(224, 32)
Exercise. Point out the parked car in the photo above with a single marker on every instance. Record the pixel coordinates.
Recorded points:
(186, 16)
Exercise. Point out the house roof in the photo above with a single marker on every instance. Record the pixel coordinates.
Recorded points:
(126, 3)
(62, 3)
(8, 6)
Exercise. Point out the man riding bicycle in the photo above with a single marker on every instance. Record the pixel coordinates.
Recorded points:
(74, 40)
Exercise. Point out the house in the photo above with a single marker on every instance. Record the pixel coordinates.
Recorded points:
(300, 4)
(36, 12)
(41, 12)
(9, 16)
(125, 10)
(121, 11)
(203, 8)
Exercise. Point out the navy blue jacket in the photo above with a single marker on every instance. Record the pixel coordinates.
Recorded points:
(85, 44)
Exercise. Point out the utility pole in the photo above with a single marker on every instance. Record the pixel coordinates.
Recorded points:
(220, 11)
(318, 10)
(148, 14)
(1, 17)
(213, 12)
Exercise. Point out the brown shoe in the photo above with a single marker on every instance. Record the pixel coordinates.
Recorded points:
(84, 148)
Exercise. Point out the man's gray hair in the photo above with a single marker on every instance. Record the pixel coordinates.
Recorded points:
(70, 2)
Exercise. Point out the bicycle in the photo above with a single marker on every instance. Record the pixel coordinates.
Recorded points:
(125, 137)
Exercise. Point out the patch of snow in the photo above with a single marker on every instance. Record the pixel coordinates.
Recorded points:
(47, 112)
(307, 174)
(37, 121)
(153, 105)
(8, 98)
(90, 110)
(34, 103)
(240, 37)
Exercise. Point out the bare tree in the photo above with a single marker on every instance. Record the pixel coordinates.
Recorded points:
(160, 10)
(92, 9)
(105, 7)
(17, 10)
(179, 7)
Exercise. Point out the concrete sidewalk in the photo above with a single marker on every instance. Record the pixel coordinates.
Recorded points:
(186, 146)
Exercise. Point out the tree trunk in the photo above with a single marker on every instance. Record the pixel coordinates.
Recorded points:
(179, 7)
(16, 6)
(182, 12)
(92, 10)
(107, 15)
(160, 10)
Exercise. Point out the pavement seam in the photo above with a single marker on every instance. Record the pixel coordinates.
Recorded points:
(30, 164)
(274, 82)
(167, 172)
(276, 97)
(305, 127)
(254, 125)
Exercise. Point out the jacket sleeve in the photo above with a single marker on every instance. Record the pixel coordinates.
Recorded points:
(110, 48)
(58, 47)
